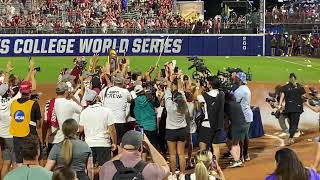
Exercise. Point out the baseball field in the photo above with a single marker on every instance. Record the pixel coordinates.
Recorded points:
(264, 69)
(267, 72)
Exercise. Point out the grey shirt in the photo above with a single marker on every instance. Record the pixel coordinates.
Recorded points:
(80, 155)
(174, 119)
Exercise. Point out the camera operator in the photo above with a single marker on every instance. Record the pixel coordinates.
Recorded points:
(292, 95)
(243, 96)
(279, 114)
(213, 123)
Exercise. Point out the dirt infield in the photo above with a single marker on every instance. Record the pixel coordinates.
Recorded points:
(262, 150)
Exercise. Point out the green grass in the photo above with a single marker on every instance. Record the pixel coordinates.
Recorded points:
(264, 69)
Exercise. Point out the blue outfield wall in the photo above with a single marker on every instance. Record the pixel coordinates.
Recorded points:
(132, 45)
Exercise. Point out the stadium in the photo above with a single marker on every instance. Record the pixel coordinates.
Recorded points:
(91, 45)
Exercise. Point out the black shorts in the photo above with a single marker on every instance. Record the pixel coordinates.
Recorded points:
(176, 134)
(209, 136)
(100, 155)
(153, 137)
(121, 129)
(17, 148)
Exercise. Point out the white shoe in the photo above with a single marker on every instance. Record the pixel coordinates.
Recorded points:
(297, 134)
(283, 135)
(181, 176)
(172, 177)
(236, 164)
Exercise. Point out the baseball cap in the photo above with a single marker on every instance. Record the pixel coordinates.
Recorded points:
(62, 87)
(138, 89)
(67, 78)
(90, 95)
(132, 140)
(242, 76)
(25, 87)
(86, 74)
(117, 79)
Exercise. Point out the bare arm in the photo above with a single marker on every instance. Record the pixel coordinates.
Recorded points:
(50, 164)
(281, 100)
(90, 168)
(156, 156)
(31, 68)
(113, 133)
(7, 73)
(33, 80)
(317, 160)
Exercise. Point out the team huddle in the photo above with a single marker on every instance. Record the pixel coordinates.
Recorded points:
(104, 113)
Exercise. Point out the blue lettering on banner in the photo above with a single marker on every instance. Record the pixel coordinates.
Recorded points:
(19, 116)
(131, 45)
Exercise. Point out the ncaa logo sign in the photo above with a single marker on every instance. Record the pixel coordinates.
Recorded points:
(19, 116)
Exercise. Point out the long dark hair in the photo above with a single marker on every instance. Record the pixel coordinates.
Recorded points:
(289, 167)
(181, 102)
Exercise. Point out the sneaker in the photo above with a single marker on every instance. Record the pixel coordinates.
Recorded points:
(283, 135)
(236, 164)
(297, 134)
(227, 155)
(247, 158)
(172, 177)
(290, 141)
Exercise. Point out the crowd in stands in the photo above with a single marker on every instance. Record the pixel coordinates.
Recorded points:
(106, 16)
(306, 11)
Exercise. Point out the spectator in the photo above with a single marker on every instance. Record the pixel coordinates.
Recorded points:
(25, 115)
(117, 98)
(63, 109)
(176, 127)
(64, 174)
(30, 169)
(6, 99)
(72, 153)
(130, 157)
(206, 168)
(290, 167)
(211, 128)
(97, 123)
(238, 128)
(243, 96)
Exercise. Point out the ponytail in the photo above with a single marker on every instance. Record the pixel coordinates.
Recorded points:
(201, 171)
(69, 129)
(66, 152)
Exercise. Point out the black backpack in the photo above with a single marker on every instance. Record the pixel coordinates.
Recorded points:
(128, 173)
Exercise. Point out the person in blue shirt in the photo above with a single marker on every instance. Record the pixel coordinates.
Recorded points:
(243, 96)
(145, 113)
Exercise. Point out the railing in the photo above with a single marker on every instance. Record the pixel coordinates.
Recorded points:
(101, 30)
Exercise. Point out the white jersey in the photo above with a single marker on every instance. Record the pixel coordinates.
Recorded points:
(5, 104)
(95, 119)
(116, 99)
(64, 109)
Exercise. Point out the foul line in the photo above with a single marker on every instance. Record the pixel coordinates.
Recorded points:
(276, 137)
(293, 63)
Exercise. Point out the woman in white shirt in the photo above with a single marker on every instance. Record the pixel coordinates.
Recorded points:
(206, 168)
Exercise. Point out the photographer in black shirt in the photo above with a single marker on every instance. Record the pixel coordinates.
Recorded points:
(292, 95)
